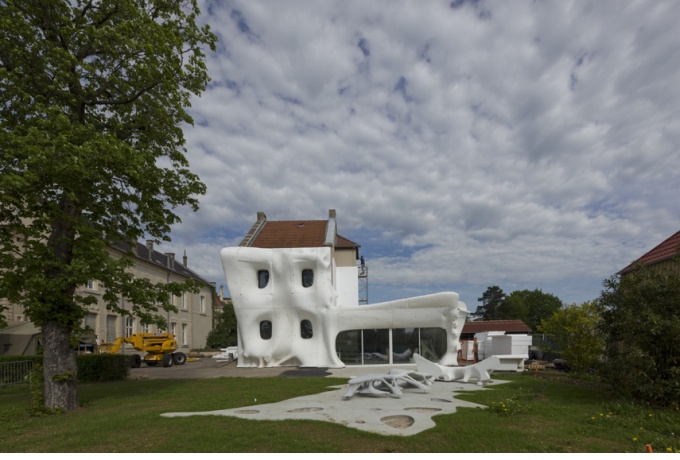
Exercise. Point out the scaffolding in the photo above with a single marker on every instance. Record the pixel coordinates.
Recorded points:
(363, 284)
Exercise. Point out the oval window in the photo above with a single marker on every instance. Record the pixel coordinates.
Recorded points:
(306, 331)
(262, 278)
(307, 277)
(266, 330)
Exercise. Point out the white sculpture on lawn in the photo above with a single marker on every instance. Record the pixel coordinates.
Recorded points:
(289, 314)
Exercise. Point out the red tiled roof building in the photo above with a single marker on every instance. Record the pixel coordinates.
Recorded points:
(663, 256)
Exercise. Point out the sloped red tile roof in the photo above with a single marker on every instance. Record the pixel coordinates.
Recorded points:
(296, 234)
(291, 234)
(344, 243)
(510, 325)
(668, 249)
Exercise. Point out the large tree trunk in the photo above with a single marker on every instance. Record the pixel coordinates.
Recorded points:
(60, 371)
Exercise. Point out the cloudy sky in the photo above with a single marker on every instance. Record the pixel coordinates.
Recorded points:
(464, 144)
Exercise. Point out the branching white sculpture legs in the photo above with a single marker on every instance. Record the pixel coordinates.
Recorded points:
(388, 384)
(481, 372)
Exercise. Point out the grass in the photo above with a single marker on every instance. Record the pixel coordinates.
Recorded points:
(552, 413)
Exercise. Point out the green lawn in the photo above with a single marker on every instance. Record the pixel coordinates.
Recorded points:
(551, 413)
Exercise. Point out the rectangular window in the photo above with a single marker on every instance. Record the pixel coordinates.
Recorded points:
(203, 305)
(262, 278)
(145, 328)
(185, 332)
(376, 346)
(90, 321)
(173, 328)
(110, 328)
(129, 326)
(185, 301)
(89, 284)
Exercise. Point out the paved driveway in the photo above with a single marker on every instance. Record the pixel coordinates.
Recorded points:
(206, 368)
(405, 416)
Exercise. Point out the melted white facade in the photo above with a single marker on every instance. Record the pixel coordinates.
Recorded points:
(290, 313)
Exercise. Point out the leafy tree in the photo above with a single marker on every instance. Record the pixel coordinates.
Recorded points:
(93, 94)
(491, 301)
(512, 307)
(224, 332)
(574, 329)
(531, 306)
(641, 323)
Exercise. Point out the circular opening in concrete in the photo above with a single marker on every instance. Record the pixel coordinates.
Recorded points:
(247, 411)
(440, 400)
(306, 409)
(423, 409)
(398, 421)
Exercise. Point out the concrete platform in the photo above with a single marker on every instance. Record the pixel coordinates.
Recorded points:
(405, 416)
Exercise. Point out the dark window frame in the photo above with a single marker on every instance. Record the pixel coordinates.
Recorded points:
(307, 278)
(306, 329)
(266, 329)
(262, 278)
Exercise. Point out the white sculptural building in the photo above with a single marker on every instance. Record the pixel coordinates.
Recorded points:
(294, 286)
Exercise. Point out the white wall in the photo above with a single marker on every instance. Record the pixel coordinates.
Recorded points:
(347, 286)
(286, 303)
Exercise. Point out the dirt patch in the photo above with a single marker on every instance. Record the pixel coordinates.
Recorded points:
(399, 422)
(306, 409)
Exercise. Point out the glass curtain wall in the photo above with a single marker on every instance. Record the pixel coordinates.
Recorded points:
(390, 346)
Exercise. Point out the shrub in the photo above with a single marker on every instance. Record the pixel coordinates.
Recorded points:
(641, 323)
(102, 368)
(574, 329)
(37, 359)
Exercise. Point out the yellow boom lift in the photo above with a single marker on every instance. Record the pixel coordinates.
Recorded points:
(159, 348)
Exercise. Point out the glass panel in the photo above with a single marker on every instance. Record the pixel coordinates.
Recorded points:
(348, 347)
(91, 321)
(110, 328)
(306, 331)
(266, 330)
(404, 343)
(262, 278)
(307, 277)
(129, 323)
(376, 346)
(432, 343)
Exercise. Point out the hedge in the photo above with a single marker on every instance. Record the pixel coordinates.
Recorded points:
(91, 367)
(102, 367)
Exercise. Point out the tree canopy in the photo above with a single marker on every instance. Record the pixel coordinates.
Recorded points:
(93, 99)
(529, 306)
(533, 306)
(491, 300)
(224, 333)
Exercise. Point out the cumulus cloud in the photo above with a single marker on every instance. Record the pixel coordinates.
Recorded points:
(463, 143)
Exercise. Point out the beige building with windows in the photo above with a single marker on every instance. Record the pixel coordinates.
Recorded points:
(191, 323)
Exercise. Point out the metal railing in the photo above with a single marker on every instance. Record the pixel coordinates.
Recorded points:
(15, 372)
